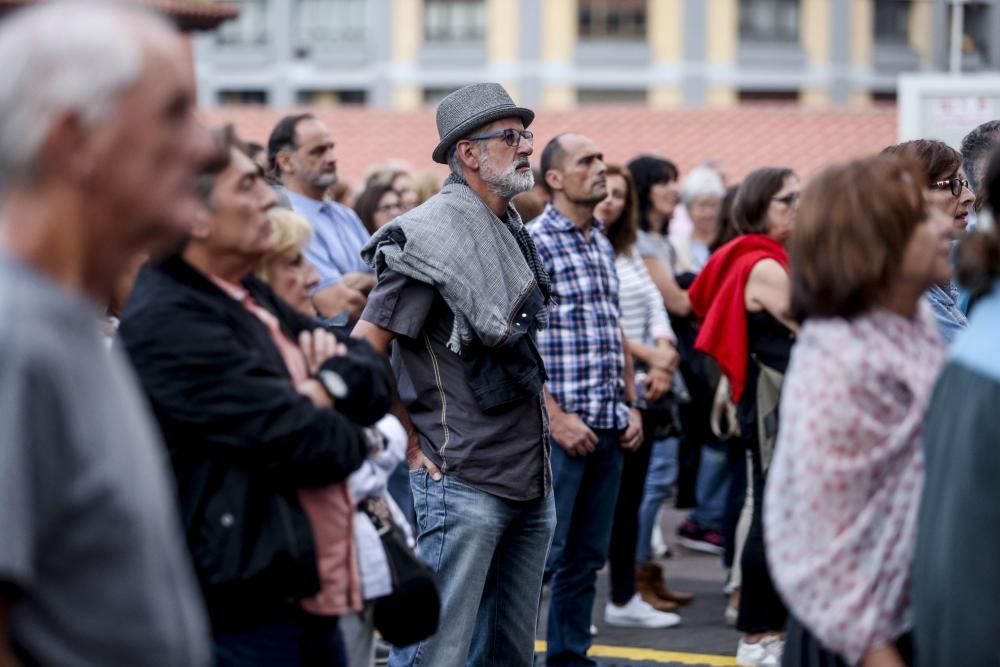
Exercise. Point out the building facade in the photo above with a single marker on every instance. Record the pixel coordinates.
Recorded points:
(555, 54)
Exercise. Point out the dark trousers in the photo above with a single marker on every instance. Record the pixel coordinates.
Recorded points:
(585, 489)
(736, 460)
(761, 609)
(802, 649)
(305, 641)
(625, 532)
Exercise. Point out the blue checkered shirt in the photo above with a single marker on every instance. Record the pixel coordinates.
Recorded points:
(582, 346)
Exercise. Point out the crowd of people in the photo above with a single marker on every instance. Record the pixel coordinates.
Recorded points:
(250, 419)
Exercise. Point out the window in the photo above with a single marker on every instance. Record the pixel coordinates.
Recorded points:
(242, 97)
(768, 96)
(433, 96)
(329, 21)
(769, 20)
(250, 28)
(331, 97)
(610, 96)
(892, 21)
(454, 20)
(612, 19)
(976, 35)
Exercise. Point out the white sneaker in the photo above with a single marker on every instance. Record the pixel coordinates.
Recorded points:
(774, 646)
(638, 614)
(765, 653)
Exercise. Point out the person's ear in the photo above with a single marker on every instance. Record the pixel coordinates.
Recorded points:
(468, 154)
(201, 227)
(554, 179)
(284, 161)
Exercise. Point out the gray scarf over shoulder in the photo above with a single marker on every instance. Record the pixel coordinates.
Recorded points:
(484, 268)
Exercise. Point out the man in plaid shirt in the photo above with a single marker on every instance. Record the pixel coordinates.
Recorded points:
(589, 390)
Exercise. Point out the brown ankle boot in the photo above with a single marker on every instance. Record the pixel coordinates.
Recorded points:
(644, 587)
(652, 574)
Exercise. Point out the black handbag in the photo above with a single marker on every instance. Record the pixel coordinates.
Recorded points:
(412, 611)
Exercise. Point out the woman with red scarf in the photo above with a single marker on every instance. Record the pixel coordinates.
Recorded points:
(742, 297)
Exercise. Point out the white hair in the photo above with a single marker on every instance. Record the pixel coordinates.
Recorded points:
(702, 181)
(63, 57)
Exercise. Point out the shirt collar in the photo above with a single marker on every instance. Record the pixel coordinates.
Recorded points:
(234, 292)
(560, 222)
(306, 204)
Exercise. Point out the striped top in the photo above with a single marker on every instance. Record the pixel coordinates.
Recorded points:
(644, 319)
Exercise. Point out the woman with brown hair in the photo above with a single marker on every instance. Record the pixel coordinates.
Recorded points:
(639, 598)
(948, 191)
(741, 296)
(956, 582)
(844, 488)
(377, 206)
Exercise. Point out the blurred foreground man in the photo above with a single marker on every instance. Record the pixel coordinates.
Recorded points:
(98, 149)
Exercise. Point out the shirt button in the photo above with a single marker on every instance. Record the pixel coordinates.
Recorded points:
(524, 314)
(227, 520)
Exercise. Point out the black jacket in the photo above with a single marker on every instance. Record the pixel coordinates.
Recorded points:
(241, 438)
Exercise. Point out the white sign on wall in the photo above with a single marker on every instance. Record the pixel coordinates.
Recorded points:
(936, 106)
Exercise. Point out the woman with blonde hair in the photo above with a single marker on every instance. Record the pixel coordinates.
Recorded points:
(285, 268)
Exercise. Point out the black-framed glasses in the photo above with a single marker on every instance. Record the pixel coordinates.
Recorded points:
(953, 185)
(511, 137)
(791, 199)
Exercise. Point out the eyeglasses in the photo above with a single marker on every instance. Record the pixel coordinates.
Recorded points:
(955, 185)
(385, 208)
(511, 137)
(790, 199)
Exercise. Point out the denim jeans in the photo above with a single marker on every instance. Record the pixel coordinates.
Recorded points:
(585, 489)
(659, 480)
(714, 475)
(489, 554)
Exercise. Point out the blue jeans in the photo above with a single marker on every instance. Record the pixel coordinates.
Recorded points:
(660, 480)
(489, 554)
(586, 489)
(712, 488)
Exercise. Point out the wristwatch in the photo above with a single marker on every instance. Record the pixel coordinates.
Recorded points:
(333, 383)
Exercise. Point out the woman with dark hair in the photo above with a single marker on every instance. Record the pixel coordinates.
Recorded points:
(742, 296)
(638, 595)
(844, 484)
(658, 193)
(948, 191)
(377, 206)
(725, 228)
(955, 579)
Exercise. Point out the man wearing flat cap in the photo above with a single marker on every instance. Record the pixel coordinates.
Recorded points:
(463, 292)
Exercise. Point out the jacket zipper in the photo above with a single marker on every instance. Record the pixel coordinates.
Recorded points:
(444, 402)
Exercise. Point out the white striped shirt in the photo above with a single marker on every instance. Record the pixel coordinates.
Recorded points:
(644, 319)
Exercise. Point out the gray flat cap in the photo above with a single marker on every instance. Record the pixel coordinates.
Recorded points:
(471, 107)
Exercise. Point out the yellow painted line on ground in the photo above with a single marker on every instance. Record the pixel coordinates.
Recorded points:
(652, 655)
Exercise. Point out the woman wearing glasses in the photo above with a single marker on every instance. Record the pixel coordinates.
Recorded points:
(742, 297)
(378, 205)
(948, 191)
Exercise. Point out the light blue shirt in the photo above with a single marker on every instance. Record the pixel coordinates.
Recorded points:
(338, 236)
(950, 320)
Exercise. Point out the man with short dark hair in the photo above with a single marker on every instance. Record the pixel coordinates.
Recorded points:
(977, 147)
(262, 413)
(301, 154)
(590, 386)
(462, 291)
(98, 149)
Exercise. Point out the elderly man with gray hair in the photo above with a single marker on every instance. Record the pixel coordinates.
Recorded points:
(98, 152)
(463, 292)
